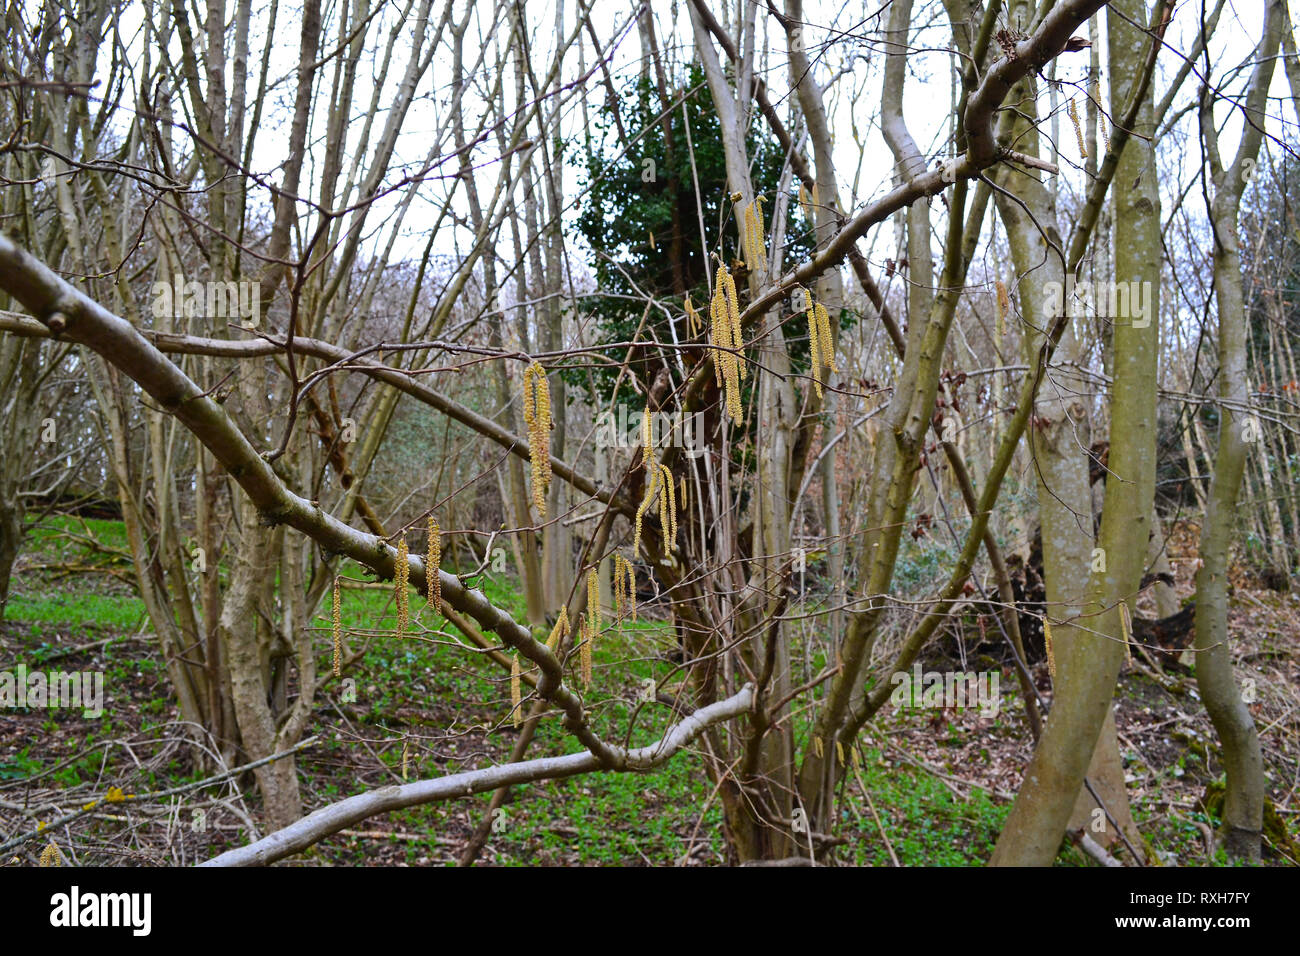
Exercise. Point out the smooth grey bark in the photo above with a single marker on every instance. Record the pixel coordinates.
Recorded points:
(1089, 666)
(1243, 764)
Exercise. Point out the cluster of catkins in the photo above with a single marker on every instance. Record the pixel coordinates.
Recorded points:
(728, 362)
(659, 479)
(821, 344)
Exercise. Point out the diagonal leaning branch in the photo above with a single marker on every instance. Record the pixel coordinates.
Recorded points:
(73, 316)
(982, 152)
(329, 819)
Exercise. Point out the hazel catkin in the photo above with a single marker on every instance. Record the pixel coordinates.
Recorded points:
(401, 578)
(337, 619)
(432, 562)
(537, 416)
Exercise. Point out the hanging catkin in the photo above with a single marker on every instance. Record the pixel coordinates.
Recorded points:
(561, 629)
(1094, 91)
(590, 626)
(725, 313)
(1004, 304)
(516, 695)
(733, 315)
(821, 343)
(828, 341)
(716, 337)
(537, 415)
(629, 588)
(693, 321)
(1126, 627)
(620, 605)
(432, 562)
(726, 325)
(755, 244)
(1078, 130)
(651, 484)
(337, 619)
(593, 603)
(814, 348)
(401, 577)
(1047, 640)
(668, 507)
(624, 589)
(584, 653)
(647, 438)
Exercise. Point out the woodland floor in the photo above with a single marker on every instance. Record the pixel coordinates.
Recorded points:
(939, 782)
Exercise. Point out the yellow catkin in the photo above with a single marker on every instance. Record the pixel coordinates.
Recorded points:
(693, 321)
(728, 366)
(401, 577)
(731, 363)
(733, 317)
(1078, 130)
(734, 408)
(814, 349)
(755, 243)
(1004, 304)
(625, 584)
(406, 756)
(433, 561)
(631, 587)
(681, 496)
(338, 630)
(828, 340)
(1051, 656)
(671, 525)
(839, 749)
(561, 629)
(584, 654)
(537, 415)
(1126, 627)
(591, 625)
(747, 238)
(647, 438)
(663, 510)
(593, 603)
(620, 606)
(651, 484)
(853, 755)
(715, 337)
(516, 695)
(1095, 93)
(804, 203)
(50, 855)
(817, 741)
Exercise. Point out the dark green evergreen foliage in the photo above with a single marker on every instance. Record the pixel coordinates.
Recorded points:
(651, 189)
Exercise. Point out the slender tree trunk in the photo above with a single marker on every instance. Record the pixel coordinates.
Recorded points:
(1088, 661)
(1243, 807)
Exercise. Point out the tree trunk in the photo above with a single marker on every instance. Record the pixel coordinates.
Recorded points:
(1243, 806)
(1088, 661)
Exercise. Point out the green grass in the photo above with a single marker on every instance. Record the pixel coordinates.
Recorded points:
(435, 693)
(61, 609)
(925, 823)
